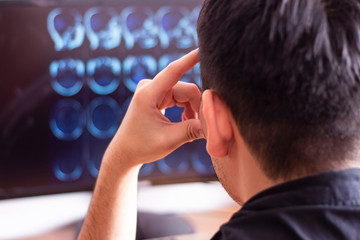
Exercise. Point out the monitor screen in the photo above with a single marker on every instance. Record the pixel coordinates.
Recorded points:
(68, 70)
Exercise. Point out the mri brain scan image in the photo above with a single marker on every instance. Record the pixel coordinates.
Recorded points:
(103, 29)
(67, 120)
(197, 75)
(136, 68)
(193, 19)
(66, 28)
(104, 117)
(176, 27)
(103, 74)
(140, 27)
(67, 76)
(175, 161)
(67, 164)
(200, 159)
(96, 151)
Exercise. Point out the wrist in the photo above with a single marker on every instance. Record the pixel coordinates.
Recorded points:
(118, 157)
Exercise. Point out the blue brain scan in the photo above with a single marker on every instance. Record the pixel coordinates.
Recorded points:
(200, 159)
(66, 28)
(146, 169)
(176, 161)
(176, 27)
(174, 114)
(96, 152)
(103, 29)
(67, 76)
(67, 164)
(139, 24)
(104, 117)
(197, 75)
(67, 120)
(103, 74)
(193, 19)
(63, 174)
(168, 58)
(136, 68)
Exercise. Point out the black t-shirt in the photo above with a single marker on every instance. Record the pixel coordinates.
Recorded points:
(324, 206)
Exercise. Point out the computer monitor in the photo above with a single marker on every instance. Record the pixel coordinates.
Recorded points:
(68, 70)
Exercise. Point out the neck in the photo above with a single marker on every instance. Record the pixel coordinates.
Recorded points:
(251, 177)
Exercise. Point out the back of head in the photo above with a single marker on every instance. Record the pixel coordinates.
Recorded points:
(289, 72)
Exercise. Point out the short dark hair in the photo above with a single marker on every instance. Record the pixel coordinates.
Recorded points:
(289, 72)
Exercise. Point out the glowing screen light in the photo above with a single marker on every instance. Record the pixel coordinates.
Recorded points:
(176, 28)
(103, 28)
(104, 74)
(66, 169)
(123, 46)
(104, 117)
(67, 120)
(140, 27)
(176, 161)
(197, 75)
(200, 159)
(65, 28)
(67, 76)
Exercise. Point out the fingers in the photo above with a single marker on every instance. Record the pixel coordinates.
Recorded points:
(168, 77)
(184, 95)
(186, 131)
(187, 93)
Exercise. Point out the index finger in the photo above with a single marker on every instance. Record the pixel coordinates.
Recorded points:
(168, 77)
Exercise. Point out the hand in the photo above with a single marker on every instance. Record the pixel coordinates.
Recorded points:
(145, 134)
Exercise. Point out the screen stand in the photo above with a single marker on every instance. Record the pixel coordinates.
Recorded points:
(152, 225)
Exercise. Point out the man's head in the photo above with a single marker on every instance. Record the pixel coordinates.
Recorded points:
(289, 71)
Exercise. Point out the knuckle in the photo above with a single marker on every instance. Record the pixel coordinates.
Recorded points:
(195, 88)
(190, 133)
(142, 83)
(142, 92)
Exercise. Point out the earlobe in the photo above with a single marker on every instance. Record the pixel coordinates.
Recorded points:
(219, 128)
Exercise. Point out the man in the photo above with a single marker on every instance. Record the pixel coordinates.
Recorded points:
(279, 111)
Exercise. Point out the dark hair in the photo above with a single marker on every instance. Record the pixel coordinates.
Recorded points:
(289, 72)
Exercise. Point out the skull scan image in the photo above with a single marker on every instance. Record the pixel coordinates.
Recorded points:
(67, 120)
(197, 75)
(67, 76)
(67, 123)
(200, 159)
(103, 29)
(176, 27)
(137, 68)
(193, 19)
(139, 27)
(104, 74)
(104, 117)
(168, 58)
(177, 161)
(65, 28)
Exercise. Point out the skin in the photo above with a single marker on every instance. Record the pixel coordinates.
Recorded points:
(112, 211)
(236, 168)
(146, 135)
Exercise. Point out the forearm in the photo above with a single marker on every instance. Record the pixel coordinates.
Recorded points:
(112, 212)
(145, 135)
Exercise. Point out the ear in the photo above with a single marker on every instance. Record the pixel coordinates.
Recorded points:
(219, 129)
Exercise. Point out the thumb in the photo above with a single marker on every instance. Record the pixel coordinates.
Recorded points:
(188, 130)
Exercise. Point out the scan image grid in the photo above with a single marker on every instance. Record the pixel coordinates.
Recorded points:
(125, 46)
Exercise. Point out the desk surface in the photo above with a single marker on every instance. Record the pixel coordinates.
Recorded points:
(206, 210)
